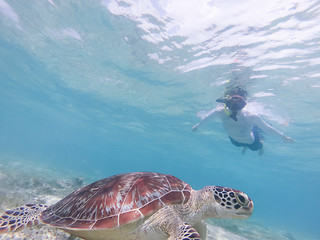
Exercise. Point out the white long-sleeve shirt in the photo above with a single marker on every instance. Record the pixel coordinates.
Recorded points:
(241, 130)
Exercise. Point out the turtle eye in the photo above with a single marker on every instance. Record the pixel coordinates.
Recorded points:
(243, 199)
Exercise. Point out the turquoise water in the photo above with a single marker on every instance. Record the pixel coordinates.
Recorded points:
(105, 87)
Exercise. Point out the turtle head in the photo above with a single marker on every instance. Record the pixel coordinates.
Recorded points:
(226, 202)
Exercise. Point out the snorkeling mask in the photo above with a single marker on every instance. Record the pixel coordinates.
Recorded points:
(234, 103)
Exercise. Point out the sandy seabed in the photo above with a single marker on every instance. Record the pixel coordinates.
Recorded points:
(21, 184)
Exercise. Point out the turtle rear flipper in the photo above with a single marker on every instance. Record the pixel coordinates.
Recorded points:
(20, 217)
(185, 232)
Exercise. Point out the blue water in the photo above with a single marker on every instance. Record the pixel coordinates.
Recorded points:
(106, 87)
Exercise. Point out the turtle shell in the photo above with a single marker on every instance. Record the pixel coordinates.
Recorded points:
(116, 201)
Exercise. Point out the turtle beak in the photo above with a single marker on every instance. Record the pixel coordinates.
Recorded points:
(247, 210)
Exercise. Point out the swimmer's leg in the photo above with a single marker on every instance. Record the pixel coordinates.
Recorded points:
(260, 152)
(244, 149)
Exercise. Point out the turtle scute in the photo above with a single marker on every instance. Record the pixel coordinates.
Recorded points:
(117, 200)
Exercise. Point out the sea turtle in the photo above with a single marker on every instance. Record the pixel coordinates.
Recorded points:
(140, 205)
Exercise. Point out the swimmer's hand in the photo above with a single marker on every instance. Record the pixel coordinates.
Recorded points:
(287, 139)
(195, 127)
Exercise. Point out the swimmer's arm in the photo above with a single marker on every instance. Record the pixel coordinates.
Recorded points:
(257, 120)
(213, 114)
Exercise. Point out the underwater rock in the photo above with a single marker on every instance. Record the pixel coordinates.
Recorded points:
(79, 182)
(36, 182)
(39, 233)
(289, 236)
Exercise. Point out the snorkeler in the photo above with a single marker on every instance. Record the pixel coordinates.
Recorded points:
(243, 127)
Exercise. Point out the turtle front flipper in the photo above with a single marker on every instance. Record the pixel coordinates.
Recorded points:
(20, 217)
(185, 232)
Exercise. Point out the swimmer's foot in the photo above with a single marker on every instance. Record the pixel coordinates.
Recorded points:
(260, 151)
(244, 149)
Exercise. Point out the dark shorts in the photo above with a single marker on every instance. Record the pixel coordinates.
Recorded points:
(256, 145)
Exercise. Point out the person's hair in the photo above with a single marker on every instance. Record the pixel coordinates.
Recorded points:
(236, 91)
